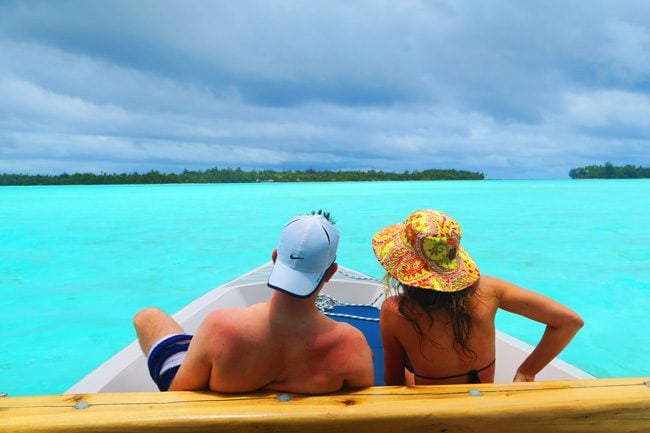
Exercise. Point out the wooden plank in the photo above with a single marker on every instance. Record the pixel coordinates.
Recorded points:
(602, 405)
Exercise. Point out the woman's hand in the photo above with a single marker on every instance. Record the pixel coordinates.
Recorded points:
(521, 377)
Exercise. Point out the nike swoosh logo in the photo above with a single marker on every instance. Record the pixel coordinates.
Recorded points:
(291, 256)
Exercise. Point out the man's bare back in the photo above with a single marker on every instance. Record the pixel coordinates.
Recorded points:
(285, 344)
(257, 348)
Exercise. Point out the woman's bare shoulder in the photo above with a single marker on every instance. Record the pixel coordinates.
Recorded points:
(488, 286)
(390, 305)
(391, 301)
(492, 286)
(487, 280)
(390, 311)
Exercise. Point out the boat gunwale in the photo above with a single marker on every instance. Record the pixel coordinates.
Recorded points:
(597, 405)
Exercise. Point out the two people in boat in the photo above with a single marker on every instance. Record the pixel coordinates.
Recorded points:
(438, 327)
(284, 344)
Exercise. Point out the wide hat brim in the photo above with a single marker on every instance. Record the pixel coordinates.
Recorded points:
(404, 264)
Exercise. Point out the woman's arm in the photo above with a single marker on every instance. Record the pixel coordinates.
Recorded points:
(562, 324)
(394, 355)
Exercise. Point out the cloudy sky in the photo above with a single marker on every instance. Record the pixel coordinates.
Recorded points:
(513, 89)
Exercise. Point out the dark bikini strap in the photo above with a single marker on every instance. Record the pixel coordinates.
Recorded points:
(472, 374)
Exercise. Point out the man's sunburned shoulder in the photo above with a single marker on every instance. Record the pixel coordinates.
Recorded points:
(232, 320)
(351, 339)
(221, 316)
(232, 313)
(355, 356)
(343, 330)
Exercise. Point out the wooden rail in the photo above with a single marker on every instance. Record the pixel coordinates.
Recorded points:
(594, 406)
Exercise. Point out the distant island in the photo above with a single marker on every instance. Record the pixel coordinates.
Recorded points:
(230, 175)
(609, 171)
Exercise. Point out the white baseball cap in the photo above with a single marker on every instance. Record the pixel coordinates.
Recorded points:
(307, 248)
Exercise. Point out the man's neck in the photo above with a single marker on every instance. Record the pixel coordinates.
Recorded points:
(282, 305)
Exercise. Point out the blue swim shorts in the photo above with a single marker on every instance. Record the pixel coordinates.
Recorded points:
(166, 357)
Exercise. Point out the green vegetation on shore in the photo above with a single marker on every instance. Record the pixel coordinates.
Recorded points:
(609, 171)
(237, 175)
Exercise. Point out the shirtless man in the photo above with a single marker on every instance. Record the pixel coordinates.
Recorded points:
(284, 344)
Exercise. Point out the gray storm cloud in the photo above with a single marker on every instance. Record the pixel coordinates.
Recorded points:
(511, 90)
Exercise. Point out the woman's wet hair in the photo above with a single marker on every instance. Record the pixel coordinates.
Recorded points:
(414, 302)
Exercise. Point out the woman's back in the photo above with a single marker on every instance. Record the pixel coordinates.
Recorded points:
(435, 357)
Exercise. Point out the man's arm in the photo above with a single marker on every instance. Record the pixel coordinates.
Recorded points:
(364, 373)
(394, 354)
(194, 372)
(562, 324)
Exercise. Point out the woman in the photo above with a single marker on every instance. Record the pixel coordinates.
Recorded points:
(439, 325)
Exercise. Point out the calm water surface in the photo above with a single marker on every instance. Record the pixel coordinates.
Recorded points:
(77, 262)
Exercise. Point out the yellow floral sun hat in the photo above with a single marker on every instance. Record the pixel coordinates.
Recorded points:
(425, 252)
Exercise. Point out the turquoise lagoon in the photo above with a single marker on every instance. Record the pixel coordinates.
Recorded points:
(76, 262)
